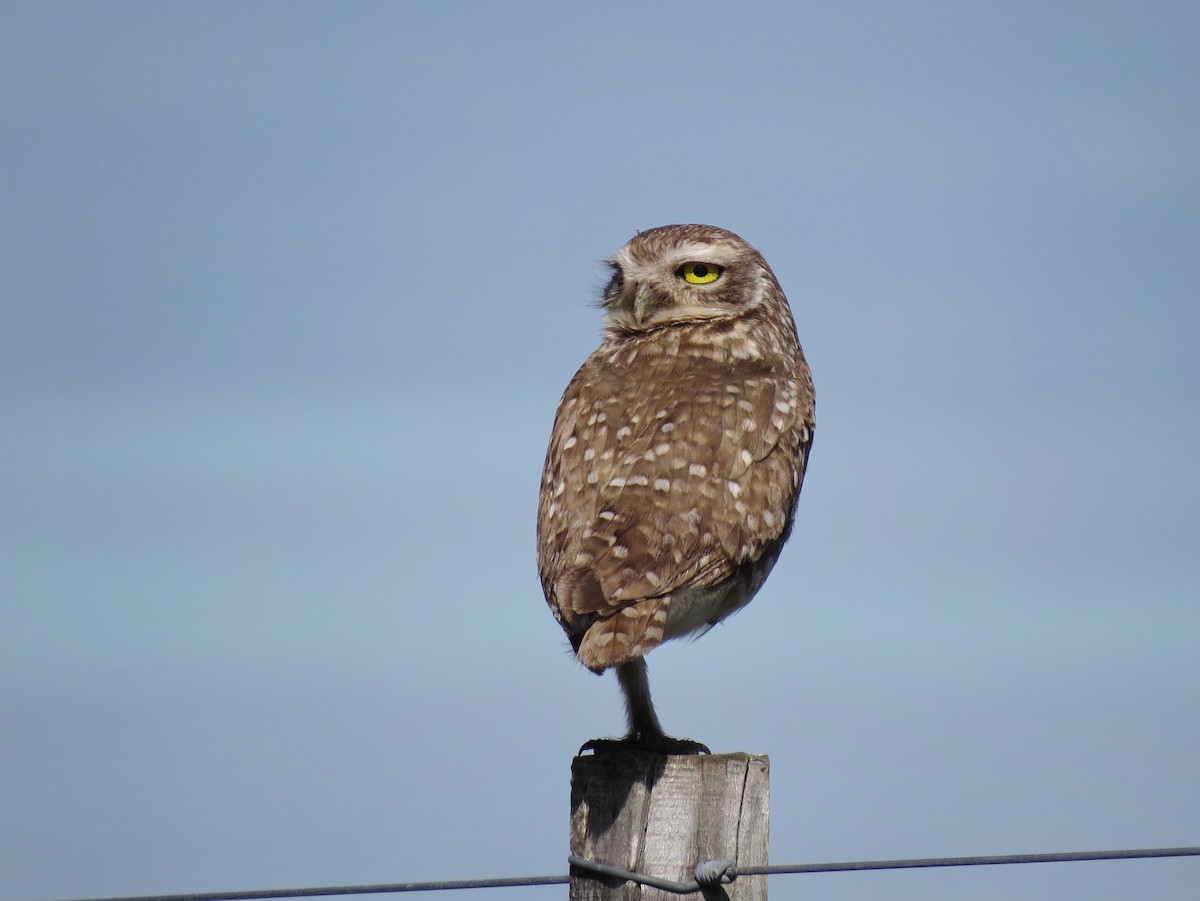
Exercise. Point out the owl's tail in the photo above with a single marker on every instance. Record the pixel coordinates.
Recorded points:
(629, 633)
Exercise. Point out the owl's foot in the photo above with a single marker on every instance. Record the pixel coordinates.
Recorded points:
(654, 742)
(645, 733)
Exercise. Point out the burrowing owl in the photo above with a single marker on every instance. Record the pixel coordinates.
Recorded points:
(676, 459)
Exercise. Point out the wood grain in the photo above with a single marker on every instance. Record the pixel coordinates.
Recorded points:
(661, 815)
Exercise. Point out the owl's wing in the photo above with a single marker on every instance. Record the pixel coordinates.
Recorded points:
(642, 498)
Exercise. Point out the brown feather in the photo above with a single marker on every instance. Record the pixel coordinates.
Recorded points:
(677, 454)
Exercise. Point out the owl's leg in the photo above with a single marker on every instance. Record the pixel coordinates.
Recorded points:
(645, 732)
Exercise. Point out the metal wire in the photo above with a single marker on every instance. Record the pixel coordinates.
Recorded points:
(1064, 857)
(666, 884)
(326, 890)
(687, 888)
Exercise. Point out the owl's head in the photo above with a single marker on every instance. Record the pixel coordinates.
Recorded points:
(684, 273)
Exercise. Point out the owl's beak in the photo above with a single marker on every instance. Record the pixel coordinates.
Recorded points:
(644, 303)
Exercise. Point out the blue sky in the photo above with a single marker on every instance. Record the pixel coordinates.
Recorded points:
(290, 292)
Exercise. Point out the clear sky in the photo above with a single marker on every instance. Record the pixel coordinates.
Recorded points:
(290, 291)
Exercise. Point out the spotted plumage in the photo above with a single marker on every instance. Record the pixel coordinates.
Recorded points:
(676, 458)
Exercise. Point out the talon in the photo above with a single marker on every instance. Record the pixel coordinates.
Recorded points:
(654, 743)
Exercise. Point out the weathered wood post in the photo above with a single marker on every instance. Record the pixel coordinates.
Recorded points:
(661, 815)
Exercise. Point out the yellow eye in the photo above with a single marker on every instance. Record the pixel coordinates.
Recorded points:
(699, 273)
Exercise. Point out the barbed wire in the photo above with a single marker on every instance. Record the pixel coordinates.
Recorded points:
(729, 870)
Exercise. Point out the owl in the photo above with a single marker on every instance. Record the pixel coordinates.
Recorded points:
(676, 458)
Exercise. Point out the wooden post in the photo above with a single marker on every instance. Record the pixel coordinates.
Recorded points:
(662, 815)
